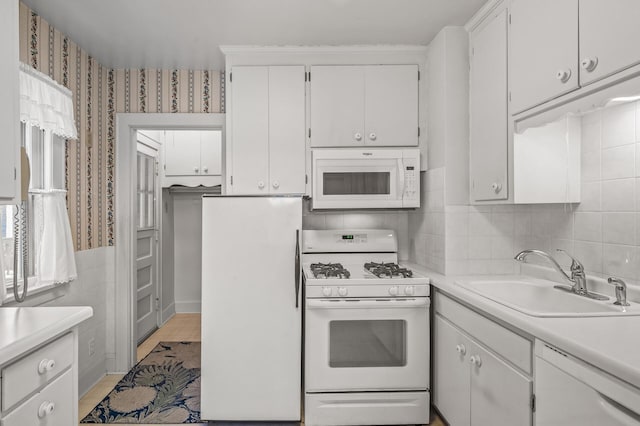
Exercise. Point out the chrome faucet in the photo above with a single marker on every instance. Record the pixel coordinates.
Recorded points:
(621, 291)
(578, 279)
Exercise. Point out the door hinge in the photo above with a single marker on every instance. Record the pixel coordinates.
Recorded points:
(231, 180)
(305, 76)
(509, 18)
(230, 77)
(509, 96)
(533, 403)
(157, 303)
(418, 131)
(306, 179)
(15, 173)
(309, 75)
(157, 168)
(309, 132)
(418, 75)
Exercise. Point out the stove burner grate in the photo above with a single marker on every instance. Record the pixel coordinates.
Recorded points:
(329, 270)
(388, 270)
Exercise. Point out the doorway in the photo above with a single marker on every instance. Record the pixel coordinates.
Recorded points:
(122, 306)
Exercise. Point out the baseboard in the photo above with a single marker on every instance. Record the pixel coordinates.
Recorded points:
(90, 377)
(194, 307)
(167, 313)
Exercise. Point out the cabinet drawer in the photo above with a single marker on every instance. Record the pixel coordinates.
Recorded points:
(57, 397)
(36, 369)
(513, 347)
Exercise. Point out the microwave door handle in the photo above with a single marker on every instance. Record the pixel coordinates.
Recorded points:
(401, 177)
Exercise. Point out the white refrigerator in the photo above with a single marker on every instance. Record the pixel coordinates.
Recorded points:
(251, 308)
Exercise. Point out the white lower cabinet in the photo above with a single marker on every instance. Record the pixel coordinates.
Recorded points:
(472, 384)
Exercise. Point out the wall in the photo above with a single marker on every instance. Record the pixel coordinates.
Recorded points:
(603, 231)
(98, 94)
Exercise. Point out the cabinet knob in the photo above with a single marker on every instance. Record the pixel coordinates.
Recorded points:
(46, 365)
(260, 184)
(196, 170)
(46, 408)
(497, 187)
(205, 169)
(357, 136)
(476, 360)
(564, 75)
(461, 349)
(372, 136)
(276, 184)
(589, 64)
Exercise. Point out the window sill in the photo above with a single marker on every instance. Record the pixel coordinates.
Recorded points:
(37, 296)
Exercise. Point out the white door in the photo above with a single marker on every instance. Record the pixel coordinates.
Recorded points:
(609, 34)
(251, 310)
(391, 105)
(500, 396)
(543, 51)
(250, 124)
(182, 153)
(147, 294)
(211, 152)
(488, 111)
(451, 383)
(337, 106)
(286, 130)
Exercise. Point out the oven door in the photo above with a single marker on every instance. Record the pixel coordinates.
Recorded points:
(367, 344)
(358, 183)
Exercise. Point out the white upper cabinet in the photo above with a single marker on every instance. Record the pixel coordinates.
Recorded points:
(609, 34)
(543, 51)
(211, 152)
(268, 130)
(192, 157)
(374, 105)
(9, 107)
(182, 153)
(488, 111)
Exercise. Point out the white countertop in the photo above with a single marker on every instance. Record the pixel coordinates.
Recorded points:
(22, 329)
(611, 344)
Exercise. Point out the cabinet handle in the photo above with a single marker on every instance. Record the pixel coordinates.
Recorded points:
(372, 136)
(589, 64)
(45, 409)
(496, 187)
(476, 360)
(46, 365)
(357, 136)
(205, 169)
(195, 169)
(276, 184)
(261, 184)
(461, 349)
(564, 75)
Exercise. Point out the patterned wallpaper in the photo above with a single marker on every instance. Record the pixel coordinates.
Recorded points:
(99, 93)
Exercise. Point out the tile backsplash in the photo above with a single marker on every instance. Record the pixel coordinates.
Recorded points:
(602, 231)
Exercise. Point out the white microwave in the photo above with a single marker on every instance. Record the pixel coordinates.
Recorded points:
(365, 178)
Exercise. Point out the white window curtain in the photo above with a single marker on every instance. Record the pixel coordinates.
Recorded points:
(54, 257)
(45, 103)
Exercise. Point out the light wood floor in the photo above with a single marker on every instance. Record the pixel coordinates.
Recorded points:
(180, 328)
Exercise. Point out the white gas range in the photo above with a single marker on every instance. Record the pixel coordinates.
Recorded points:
(366, 331)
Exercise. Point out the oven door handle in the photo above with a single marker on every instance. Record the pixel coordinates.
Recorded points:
(418, 302)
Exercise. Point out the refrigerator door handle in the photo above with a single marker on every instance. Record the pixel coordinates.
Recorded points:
(297, 266)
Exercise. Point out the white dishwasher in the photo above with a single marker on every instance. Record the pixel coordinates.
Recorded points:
(570, 392)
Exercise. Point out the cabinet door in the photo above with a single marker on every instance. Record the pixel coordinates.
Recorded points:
(609, 34)
(451, 373)
(337, 106)
(210, 152)
(182, 153)
(286, 130)
(500, 396)
(543, 51)
(391, 105)
(250, 124)
(9, 109)
(488, 111)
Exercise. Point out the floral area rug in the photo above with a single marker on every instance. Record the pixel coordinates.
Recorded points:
(163, 388)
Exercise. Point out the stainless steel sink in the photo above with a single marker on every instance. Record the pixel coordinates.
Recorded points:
(539, 298)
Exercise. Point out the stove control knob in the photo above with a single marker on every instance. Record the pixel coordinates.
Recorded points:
(342, 291)
(409, 290)
(393, 290)
(326, 291)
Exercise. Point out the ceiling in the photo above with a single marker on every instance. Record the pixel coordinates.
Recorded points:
(187, 33)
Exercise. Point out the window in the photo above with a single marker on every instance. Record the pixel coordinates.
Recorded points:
(47, 161)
